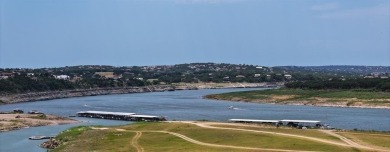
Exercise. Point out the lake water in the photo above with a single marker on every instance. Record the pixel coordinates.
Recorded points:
(183, 105)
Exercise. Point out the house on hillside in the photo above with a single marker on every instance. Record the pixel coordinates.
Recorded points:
(240, 76)
(105, 74)
(288, 76)
(6, 75)
(62, 77)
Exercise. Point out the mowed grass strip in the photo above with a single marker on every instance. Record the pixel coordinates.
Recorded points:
(380, 140)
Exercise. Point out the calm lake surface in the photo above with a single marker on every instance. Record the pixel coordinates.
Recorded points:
(182, 105)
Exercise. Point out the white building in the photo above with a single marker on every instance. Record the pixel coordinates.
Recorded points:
(62, 77)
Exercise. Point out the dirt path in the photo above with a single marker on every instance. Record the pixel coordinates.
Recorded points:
(224, 146)
(352, 143)
(134, 142)
(208, 125)
(348, 143)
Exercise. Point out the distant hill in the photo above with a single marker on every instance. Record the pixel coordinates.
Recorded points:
(101, 76)
(351, 69)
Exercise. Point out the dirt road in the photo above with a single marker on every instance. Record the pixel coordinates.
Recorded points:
(347, 142)
(134, 142)
(224, 146)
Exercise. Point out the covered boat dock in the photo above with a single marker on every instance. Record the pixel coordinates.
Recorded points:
(301, 123)
(119, 116)
(284, 122)
(254, 121)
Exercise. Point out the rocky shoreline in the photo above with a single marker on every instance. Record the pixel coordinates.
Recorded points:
(49, 95)
(303, 103)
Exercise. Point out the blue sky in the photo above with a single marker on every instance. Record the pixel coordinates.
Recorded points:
(54, 33)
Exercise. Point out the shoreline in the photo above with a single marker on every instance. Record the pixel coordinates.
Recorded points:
(302, 103)
(10, 122)
(50, 95)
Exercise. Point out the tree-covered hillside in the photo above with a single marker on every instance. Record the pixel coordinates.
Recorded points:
(16, 80)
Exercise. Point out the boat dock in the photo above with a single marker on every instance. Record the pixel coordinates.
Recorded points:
(305, 123)
(119, 116)
(285, 122)
(39, 137)
(254, 121)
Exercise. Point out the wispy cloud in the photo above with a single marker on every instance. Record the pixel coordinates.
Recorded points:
(325, 7)
(376, 11)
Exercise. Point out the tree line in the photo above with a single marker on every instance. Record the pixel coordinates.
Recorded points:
(22, 84)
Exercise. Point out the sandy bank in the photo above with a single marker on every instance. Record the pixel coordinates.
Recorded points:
(10, 122)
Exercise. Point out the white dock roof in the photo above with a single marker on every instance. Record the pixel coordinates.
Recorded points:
(255, 120)
(303, 121)
(108, 113)
(145, 116)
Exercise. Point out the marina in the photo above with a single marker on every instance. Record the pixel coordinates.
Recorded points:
(254, 121)
(292, 123)
(119, 116)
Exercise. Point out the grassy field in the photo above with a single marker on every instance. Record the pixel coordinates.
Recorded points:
(308, 132)
(363, 98)
(173, 137)
(87, 139)
(168, 143)
(377, 139)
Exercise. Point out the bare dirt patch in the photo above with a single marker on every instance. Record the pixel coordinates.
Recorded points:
(282, 97)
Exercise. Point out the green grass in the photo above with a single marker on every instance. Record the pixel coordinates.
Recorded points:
(85, 139)
(377, 139)
(72, 133)
(168, 143)
(250, 139)
(304, 132)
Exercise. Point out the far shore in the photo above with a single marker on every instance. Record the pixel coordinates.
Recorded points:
(9, 122)
(49, 95)
(305, 103)
(340, 98)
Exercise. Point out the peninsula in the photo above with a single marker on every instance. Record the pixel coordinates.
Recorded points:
(327, 98)
(362, 93)
(215, 137)
(10, 122)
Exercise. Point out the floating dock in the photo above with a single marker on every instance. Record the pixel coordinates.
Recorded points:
(39, 137)
(285, 122)
(254, 121)
(304, 123)
(119, 116)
